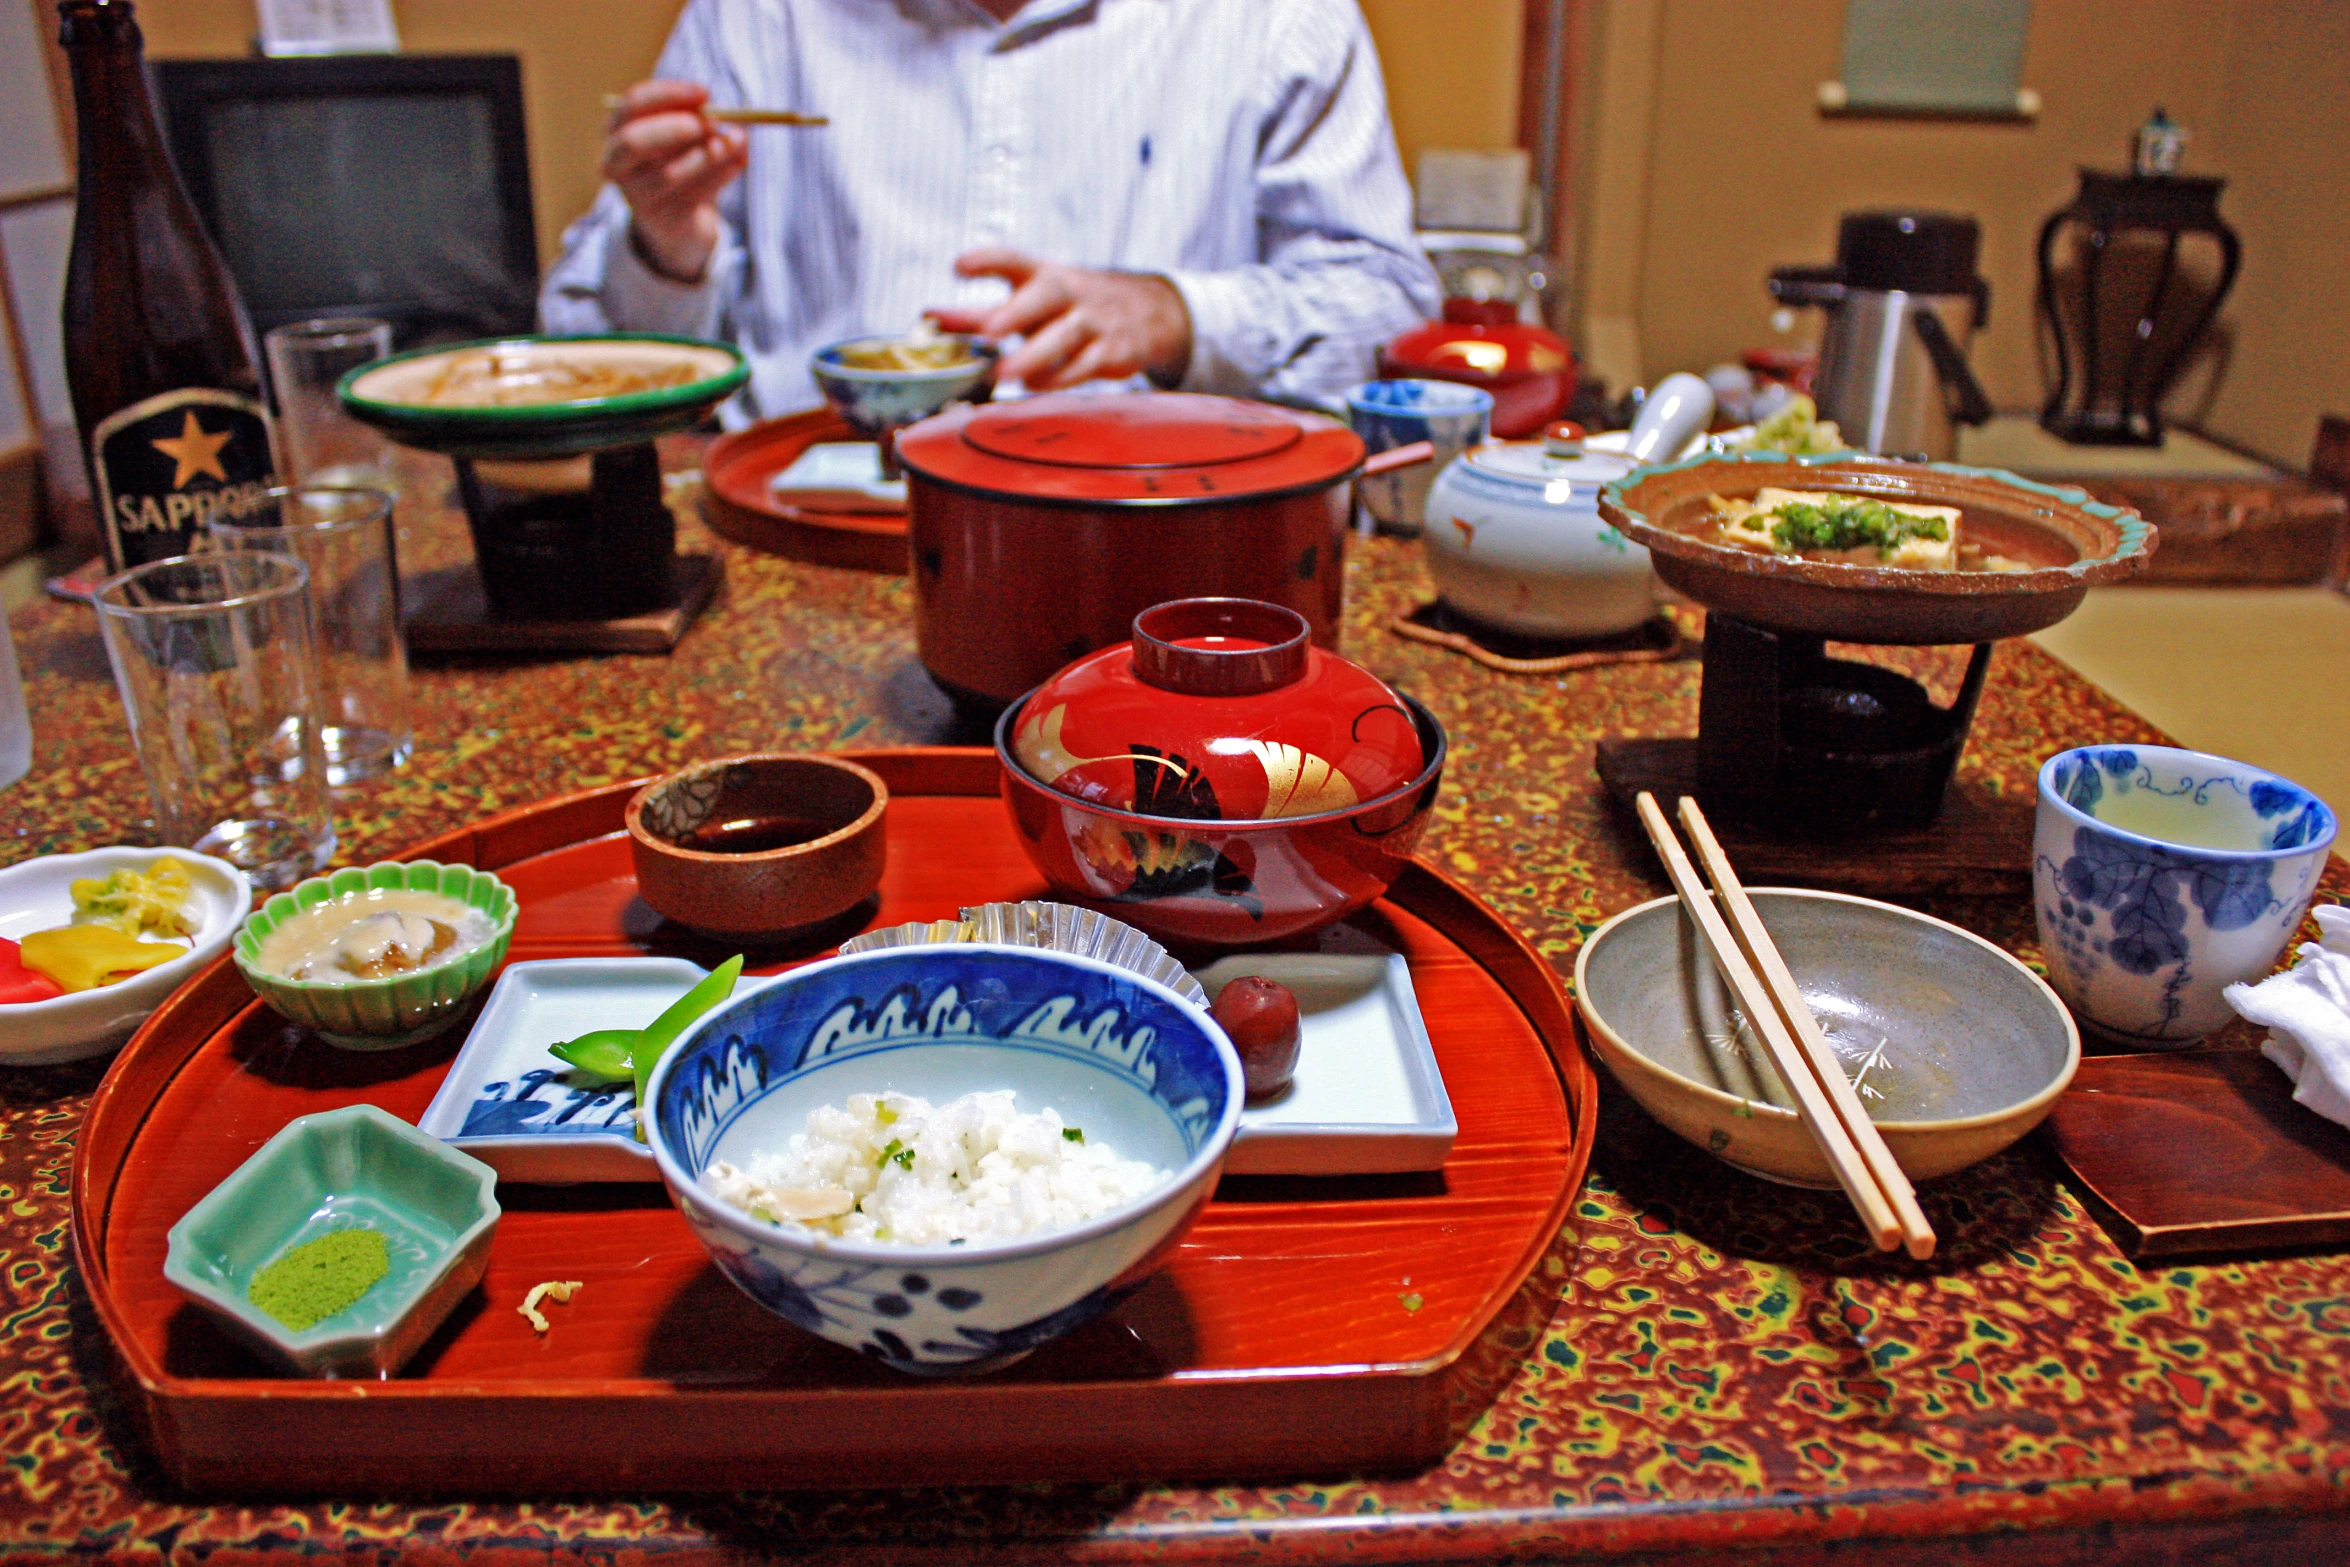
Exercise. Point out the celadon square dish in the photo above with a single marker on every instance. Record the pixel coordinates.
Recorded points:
(399, 1009)
(359, 1166)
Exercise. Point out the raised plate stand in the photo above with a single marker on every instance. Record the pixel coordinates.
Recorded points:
(1305, 1327)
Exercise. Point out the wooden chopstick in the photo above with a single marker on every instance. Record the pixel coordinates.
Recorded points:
(741, 116)
(1917, 1235)
(1754, 999)
(764, 117)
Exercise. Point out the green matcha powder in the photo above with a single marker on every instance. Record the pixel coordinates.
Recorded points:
(319, 1278)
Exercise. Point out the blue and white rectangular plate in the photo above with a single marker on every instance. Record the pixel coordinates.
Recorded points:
(1367, 1098)
(511, 1104)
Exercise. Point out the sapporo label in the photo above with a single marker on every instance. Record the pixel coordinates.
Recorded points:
(168, 465)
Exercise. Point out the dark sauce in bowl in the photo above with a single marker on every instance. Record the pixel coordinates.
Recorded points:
(755, 834)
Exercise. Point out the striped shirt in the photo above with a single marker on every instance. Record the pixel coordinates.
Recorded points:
(1239, 148)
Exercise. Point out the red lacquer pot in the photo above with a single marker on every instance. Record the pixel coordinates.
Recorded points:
(1219, 781)
(1040, 528)
(1481, 342)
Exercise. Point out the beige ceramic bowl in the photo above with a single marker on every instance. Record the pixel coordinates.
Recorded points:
(1965, 1049)
(750, 848)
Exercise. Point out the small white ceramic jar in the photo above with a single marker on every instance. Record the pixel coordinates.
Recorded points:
(1516, 542)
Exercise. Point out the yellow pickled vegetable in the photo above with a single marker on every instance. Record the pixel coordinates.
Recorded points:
(83, 957)
(136, 902)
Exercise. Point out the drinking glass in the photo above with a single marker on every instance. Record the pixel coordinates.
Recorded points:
(344, 537)
(214, 658)
(322, 444)
(16, 727)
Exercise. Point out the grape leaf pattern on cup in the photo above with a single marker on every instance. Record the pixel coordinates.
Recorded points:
(2140, 884)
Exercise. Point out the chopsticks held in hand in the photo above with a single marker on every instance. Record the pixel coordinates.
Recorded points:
(742, 116)
(1766, 992)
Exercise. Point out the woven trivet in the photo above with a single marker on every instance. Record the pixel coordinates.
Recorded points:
(1654, 641)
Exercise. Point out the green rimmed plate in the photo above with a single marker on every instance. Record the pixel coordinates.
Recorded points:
(2071, 541)
(399, 1009)
(399, 395)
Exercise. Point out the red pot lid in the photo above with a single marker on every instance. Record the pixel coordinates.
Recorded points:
(1219, 710)
(1150, 447)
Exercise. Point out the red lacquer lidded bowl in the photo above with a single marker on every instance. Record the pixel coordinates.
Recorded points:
(1219, 781)
(1529, 369)
(1219, 709)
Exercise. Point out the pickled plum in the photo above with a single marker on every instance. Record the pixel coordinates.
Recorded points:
(1261, 1017)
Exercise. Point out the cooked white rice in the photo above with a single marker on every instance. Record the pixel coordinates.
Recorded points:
(896, 1168)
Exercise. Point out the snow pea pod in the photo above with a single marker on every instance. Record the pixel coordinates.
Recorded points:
(601, 1058)
(663, 1031)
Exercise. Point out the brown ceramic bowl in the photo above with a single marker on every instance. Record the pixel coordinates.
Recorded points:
(1956, 1047)
(753, 847)
(2072, 542)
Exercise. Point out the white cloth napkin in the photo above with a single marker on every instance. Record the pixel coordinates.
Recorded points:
(2307, 1012)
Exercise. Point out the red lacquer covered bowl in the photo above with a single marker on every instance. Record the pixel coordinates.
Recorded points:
(1219, 781)
(1218, 709)
(1481, 342)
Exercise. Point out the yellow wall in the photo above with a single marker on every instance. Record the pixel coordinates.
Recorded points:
(1452, 69)
(2283, 139)
(1742, 172)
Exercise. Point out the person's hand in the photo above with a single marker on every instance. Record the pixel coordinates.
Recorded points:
(670, 163)
(1081, 323)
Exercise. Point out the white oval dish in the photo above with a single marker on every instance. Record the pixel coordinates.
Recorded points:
(37, 894)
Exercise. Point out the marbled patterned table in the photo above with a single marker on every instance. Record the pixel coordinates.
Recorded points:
(1727, 1366)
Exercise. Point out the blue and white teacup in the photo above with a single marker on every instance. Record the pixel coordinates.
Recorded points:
(2162, 876)
(1387, 414)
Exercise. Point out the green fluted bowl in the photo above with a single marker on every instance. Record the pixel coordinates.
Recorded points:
(400, 1009)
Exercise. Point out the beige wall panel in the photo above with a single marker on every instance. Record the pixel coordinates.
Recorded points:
(1747, 174)
(2282, 137)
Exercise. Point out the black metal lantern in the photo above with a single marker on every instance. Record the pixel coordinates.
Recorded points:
(2123, 310)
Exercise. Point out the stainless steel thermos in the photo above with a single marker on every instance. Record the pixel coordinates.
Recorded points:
(1902, 300)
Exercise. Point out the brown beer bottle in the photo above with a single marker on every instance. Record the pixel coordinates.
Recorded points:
(158, 351)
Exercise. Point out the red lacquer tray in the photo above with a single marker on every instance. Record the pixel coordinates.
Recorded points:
(1304, 1327)
(738, 504)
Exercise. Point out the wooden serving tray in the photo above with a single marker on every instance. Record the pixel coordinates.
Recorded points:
(2202, 1153)
(1305, 1326)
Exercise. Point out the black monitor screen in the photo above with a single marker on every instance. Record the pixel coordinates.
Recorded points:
(374, 198)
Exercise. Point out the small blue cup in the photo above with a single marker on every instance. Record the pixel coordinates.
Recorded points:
(1388, 414)
(2160, 877)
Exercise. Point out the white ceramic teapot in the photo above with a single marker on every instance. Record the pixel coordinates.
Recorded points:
(1514, 535)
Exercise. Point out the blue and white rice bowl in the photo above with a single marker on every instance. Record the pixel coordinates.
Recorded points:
(1123, 1057)
(2160, 877)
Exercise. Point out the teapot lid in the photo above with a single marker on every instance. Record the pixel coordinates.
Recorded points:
(1535, 463)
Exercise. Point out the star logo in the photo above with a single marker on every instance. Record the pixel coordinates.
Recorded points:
(196, 451)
